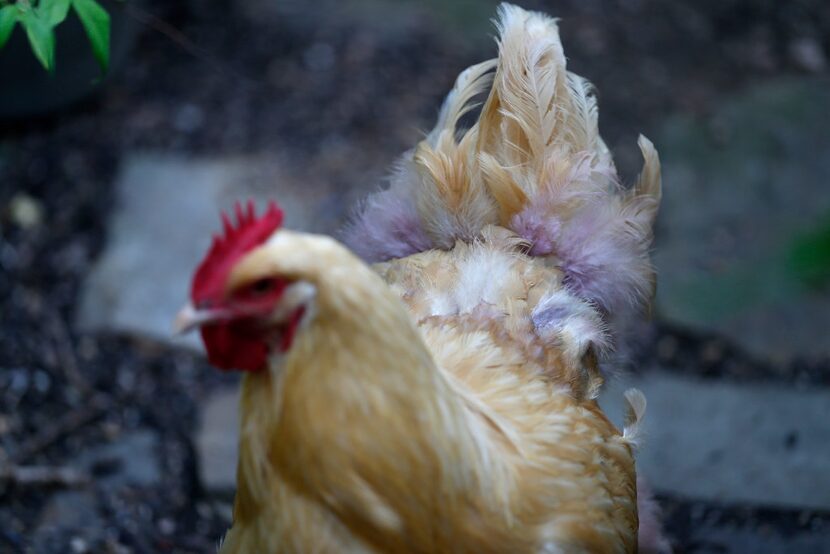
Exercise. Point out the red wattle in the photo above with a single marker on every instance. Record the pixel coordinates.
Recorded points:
(229, 349)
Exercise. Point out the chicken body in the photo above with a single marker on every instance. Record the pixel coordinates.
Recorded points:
(460, 433)
(444, 400)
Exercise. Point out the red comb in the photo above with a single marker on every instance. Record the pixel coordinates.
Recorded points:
(250, 232)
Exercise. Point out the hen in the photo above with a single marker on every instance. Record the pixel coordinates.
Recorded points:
(444, 400)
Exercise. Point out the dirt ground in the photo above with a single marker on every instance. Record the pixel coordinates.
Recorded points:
(342, 91)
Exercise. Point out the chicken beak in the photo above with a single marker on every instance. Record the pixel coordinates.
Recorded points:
(189, 318)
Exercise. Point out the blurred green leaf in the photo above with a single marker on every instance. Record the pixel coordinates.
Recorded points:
(54, 11)
(8, 18)
(810, 256)
(41, 37)
(96, 22)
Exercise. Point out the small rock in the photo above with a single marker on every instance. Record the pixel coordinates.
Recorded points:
(78, 545)
(189, 118)
(808, 53)
(25, 211)
(167, 526)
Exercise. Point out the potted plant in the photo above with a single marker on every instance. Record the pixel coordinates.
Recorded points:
(53, 52)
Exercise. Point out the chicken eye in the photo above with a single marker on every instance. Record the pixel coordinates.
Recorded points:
(262, 289)
(263, 286)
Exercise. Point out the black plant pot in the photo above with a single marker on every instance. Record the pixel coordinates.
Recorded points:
(27, 89)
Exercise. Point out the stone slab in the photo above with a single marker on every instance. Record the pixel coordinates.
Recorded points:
(166, 212)
(754, 444)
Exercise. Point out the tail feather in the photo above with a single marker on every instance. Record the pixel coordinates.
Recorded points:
(451, 202)
(649, 183)
(472, 82)
(635, 412)
(534, 163)
(530, 79)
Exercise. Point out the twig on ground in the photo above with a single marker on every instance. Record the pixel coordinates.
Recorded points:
(62, 427)
(42, 476)
(67, 359)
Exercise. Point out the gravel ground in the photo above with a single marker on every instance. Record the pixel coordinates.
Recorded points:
(341, 95)
(708, 356)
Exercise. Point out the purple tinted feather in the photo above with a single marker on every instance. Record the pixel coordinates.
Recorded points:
(601, 246)
(386, 227)
(539, 222)
(550, 316)
(540, 229)
(602, 260)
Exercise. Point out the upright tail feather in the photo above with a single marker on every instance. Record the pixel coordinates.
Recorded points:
(533, 163)
(434, 194)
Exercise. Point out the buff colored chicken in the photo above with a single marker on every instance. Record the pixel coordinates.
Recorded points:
(445, 399)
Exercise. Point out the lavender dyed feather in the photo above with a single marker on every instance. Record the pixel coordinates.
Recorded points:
(387, 224)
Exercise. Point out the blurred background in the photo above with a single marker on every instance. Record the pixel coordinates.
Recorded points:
(115, 437)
